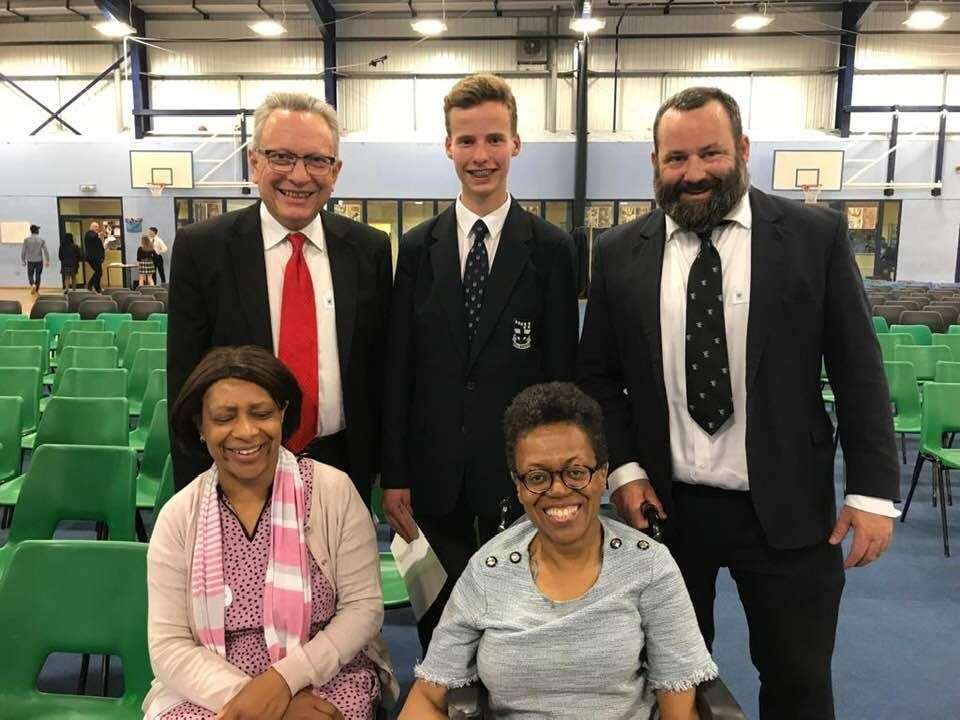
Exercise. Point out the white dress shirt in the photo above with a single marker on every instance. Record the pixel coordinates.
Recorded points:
(277, 251)
(159, 245)
(698, 458)
(466, 219)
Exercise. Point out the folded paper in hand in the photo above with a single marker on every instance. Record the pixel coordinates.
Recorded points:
(421, 571)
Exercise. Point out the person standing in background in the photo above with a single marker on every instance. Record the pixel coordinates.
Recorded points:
(70, 257)
(159, 247)
(146, 261)
(34, 255)
(93, 253)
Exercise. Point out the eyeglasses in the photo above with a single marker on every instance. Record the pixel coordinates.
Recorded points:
(283, 161)
(575, 477)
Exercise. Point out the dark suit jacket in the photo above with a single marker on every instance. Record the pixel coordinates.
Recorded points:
(218, 296)
(806, 300)
(93, 251)
(444, 401)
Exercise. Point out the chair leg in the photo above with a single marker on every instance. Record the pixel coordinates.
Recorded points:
(946, 478)
(903, 447)
(938, 473)
(105, 675)
(84, 669)
(101, 531)
(141, 528)
(913, 486)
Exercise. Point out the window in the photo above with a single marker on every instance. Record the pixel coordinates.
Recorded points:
(416, 212)
(628, 210)
(560, 213)
(352, 209)
(531, 206)
(382, 214)
(197, 209)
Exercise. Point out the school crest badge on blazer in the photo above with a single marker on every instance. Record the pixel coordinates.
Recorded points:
(522, 334)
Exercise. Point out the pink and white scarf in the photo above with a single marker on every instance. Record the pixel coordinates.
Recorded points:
(287, 599)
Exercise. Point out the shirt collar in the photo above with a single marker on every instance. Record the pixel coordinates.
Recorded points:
(466, 218)
(274, 233)
(739, 214)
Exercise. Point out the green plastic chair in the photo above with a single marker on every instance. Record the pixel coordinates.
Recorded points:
(23, 382)
(84, 357)
(880, 324)
(905, 396)
(889, 341)
(951, 341)
(26, 324)
(921, 334)
(138, 340)
(160, 318)
(144, 363)
(10, 414)
(155, 455)
(953, 330)
(93, 382)
(165, 491)
(88, 338)
(29, 338)
(113, 321)
(924, 358)
(941, 414)
(129, 327)
(155, 392)
(947, 372)
(55, 322)
(394, 590)
(27, 356)
(7, 318)
(74, 596)
(81, 325)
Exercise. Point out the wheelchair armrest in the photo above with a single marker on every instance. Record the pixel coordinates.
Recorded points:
(465, 702)
(716, 702)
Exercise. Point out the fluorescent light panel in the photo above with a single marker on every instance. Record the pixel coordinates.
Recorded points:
(751, 22)
(114, 28)
(925, 19)
(587, 25)
(429, 26)
(267, 28)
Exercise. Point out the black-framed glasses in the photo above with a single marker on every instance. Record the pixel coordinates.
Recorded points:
(575, 477)
(283, 161)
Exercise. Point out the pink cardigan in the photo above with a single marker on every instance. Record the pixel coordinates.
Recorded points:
(341, 538)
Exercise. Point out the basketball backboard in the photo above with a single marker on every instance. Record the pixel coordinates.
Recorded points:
(171, 168)
(794, 169)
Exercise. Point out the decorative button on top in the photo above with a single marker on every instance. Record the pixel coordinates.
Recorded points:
(491, 561)
(515, 557)
(643, 545)
(616, 543)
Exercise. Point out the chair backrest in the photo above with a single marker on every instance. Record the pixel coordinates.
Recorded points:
(84, 421)
(11, 413)
(55, 322)
(113, 292)
(93, 382)
(83, 325)
(880, 324)
(77, 482)
(921, 334)
(155, 391)
(954, 330)
(889, 312)
(113, 321)
(941, 413)
(144, 363)
(87, 338)
(23, 382)
(92, 309)
(32, 356)
(951, 341)
(84, 357)
(930, 318)
(138, 340)
(75, 297)
(151, 290)
(947, 372)
(157, 448)
(949, 313)
(121, 296)
(165, 491)
(31, 338)
(912, 303)
(74, 596)
(904, 392)
(10, 307)
(6, 318)
(42, 306)
(142, 309)
(26, 324)
(160, 317)
(133, 326)
(923, 357)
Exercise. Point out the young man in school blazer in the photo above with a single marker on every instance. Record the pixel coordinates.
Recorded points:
(484, 304)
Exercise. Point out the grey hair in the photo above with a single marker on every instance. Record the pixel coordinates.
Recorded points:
(296, 102)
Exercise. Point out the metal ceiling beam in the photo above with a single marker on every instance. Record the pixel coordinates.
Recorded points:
(325, 15)
(126, 11)
(56, 115)
(11, 83)
(853, 13)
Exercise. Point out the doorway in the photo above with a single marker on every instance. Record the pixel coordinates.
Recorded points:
(76, 214)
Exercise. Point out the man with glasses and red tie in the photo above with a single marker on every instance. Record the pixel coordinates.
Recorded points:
(311, 286)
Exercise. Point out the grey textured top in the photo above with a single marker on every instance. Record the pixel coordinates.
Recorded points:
(582, 658)
(34, 249)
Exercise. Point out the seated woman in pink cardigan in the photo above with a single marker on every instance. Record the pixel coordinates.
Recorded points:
(263, 573)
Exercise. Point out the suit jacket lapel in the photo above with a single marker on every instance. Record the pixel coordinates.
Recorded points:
(513, 252)
(766, 276)
(344, 274)
(445, 260)
(250, 271)
(647, 269)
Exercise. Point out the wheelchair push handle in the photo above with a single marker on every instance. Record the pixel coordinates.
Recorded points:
(653, 519)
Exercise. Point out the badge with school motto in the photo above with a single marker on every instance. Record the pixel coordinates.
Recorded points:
(522, 334)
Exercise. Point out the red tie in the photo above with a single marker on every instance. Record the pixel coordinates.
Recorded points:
(298, 339)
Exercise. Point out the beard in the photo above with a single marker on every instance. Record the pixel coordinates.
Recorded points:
(698, 216)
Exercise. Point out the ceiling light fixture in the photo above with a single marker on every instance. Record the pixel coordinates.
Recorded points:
(753, 21)
(267, 28)
(586, 23)
(925, 19)
(114, 28)
(428, 26)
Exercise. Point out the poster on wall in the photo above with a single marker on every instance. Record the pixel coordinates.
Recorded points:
(14, 231)
(134, 225)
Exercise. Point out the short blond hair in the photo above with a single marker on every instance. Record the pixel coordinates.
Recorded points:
(474, 90)
(295, 102)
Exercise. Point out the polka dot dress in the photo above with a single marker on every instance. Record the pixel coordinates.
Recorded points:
(355, 690)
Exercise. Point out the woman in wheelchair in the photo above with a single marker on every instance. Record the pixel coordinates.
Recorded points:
(263, 573)
(566, 614)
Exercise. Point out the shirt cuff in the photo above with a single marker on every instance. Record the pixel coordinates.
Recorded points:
(878, 506)
(295, 669)
(625, 473)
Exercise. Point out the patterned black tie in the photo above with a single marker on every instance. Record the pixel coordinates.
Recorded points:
(709, 398)
(475, 278)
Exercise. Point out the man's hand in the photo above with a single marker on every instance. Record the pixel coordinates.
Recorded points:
(266, 697)
(307, 706)
(872, 534)
(630, 498)
(399, 512)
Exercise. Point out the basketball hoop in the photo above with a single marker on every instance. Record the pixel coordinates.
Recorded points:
(810, 193)
(156, 189)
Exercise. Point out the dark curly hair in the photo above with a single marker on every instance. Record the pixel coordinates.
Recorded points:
(246, 362)
(550, 403)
